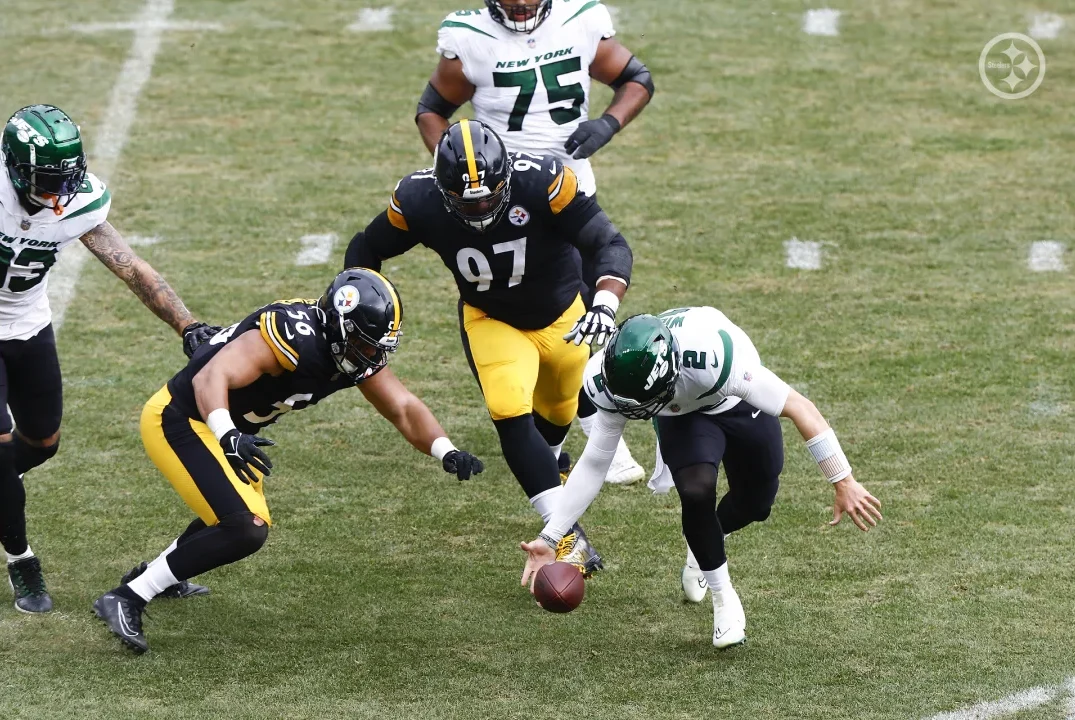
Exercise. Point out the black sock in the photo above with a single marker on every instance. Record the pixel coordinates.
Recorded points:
(552, 434)
(12, 502)
(195, 526)
(528, 455)
(125, 592)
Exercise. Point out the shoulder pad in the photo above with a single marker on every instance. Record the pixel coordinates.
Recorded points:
(593, 384)
(411, 196)
(290, 329)
(92, 199)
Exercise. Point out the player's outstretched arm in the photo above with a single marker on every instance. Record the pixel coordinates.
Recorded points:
(238, 364)
(415, 421)
(615, 66)
(108, 245)
(379, 241)
(851, 497)
(582, 486)
(448, 88)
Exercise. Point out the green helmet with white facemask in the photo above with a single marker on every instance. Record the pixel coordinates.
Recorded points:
(43, 154)
(640, 367)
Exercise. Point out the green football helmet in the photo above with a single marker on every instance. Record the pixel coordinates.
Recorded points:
(43, 154)
(640, 367)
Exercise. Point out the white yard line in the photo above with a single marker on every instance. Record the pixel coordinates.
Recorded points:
(111, 137)
(803, 255)
(823, 21)
(136, 25)
(142, 240)
(1018, 702)
(1069, 704)
(1045, 26)
(373, 20)
(316, 249)
(1046, 256)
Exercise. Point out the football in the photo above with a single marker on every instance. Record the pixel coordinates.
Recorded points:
(559, 587)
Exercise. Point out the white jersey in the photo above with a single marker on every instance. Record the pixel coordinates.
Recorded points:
(532, 89)
(720, 367)
(29, 245)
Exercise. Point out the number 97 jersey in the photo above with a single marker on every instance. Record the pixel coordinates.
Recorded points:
(532, 89)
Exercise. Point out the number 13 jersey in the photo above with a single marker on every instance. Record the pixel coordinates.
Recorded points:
(532, 89)
(29, 246)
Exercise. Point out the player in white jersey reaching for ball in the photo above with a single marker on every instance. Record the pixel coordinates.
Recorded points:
(47, 201)
(700, 378)
(526, 66)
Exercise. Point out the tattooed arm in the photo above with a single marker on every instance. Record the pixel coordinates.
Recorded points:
(108, 245)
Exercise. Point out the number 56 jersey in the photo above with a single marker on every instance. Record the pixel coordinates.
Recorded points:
(532, 89)
(292, 329)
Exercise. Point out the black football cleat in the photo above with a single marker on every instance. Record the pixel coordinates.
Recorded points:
(575, 548)
(28, 584)
(182, 589)
(123, 617)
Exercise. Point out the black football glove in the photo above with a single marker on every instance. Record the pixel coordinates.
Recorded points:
(195, 334)
(591, 136)
(462, 464)
(594, 327)
(244, 452)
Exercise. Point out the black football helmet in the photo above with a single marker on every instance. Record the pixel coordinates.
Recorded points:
(522, 16)
(362, 317)
(473, 173)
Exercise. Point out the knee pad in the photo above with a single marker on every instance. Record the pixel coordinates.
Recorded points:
(696, 484)
(29, 456)
(247, 536)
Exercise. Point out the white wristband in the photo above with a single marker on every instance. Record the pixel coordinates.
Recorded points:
(829, 456)
(441, 447)
(606, 298)
(220, 422)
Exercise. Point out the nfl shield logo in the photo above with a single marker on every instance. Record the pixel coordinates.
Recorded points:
(531, 42)
(519, 215)
(25, 225)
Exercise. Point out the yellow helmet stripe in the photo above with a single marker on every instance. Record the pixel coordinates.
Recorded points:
(468, 148)
(396, 308)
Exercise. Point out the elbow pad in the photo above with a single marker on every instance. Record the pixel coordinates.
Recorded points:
(433, 102)
(635, 72)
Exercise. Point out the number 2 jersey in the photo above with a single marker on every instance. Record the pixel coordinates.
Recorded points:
(523, 270)
(293, 330)
(533, 88)
(29, 246)
(719, 367)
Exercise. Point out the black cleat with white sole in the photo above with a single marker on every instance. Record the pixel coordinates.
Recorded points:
(123, 617)
(182, 589)
(28, 584)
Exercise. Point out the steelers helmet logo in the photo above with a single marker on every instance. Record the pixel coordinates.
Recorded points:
(346, 299)
(518, 215)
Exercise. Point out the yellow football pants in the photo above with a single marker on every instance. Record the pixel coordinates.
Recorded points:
(525, 370)
(189, 455)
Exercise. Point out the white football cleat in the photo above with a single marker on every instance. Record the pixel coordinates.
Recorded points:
(624, 470)
(729, 620)
(694, 584)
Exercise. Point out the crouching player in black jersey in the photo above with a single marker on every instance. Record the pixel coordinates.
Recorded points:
(200, 429)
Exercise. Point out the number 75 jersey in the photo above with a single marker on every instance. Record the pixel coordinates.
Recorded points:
(532, 89)
(29, 246)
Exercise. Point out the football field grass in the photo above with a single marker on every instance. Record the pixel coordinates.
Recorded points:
(388, 590)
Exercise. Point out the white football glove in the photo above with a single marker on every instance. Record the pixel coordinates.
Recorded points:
(598, 324)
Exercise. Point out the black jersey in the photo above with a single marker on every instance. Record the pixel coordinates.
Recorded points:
(292, 329)
(522, 271)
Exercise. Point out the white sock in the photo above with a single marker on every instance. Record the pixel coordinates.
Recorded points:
(545, 502)
(168, 549)
(586, 423)
(556, 450)
(719, 579)
(692, 562)
(15, 558)
(154, 580)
